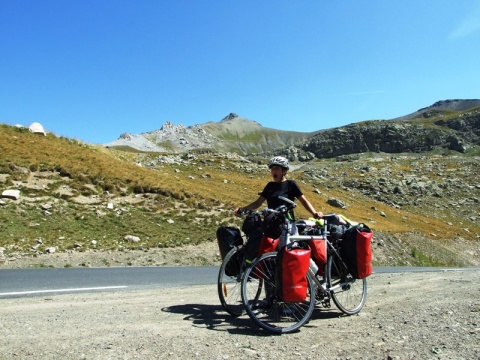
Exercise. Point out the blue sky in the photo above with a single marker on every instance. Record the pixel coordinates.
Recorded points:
(94, 69)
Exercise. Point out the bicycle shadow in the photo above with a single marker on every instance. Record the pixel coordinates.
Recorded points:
(214, 317)
(320, 313)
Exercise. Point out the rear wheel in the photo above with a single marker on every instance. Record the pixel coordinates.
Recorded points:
(264, 308)
(348, 294)
(229, 282)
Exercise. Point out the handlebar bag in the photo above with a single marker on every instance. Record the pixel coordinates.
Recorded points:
(227, 238)
(356, 250)
(272, 225)
(291, 274)
(252, 223)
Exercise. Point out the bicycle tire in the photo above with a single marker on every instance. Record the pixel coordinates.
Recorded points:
(229, 285)
(266, 311)
(348, 294)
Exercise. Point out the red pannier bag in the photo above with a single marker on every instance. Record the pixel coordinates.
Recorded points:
(318, 248)
(291, 274)
(267, 245)
(356, 250)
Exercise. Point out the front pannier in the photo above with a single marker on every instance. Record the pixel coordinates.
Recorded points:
(356, 250)
(227, 238)
(267, 245)
(291, 274)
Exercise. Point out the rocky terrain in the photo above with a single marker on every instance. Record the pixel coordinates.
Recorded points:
(406, 206)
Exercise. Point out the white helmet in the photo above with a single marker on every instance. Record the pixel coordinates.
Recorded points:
(278, 161)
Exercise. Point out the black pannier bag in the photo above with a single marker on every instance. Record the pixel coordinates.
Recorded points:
(251, 224)
(252, 245)
(356, 250)
(336, 232)
(228, 237)
(272, 225)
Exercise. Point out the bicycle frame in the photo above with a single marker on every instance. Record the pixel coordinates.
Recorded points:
(289, 236)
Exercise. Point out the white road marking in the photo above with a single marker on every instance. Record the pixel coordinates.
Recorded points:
(61, 290)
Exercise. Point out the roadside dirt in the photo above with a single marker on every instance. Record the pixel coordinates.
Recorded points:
(188, 255)
(433, 315)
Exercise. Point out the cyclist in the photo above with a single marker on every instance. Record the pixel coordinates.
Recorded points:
(281, 186)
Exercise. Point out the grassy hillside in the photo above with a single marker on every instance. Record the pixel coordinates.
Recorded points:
(77, 196)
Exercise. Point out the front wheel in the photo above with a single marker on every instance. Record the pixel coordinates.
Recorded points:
(266, 310)
(348, 294)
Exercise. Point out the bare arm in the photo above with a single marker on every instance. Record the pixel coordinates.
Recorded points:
(306, 204)
(253, 205)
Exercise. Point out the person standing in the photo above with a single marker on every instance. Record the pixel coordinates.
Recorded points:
(280, 186)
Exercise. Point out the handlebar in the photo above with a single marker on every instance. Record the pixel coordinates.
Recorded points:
(288, 201)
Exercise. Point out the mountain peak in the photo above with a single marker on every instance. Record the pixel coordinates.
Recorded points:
(230, 116)
(453, 104)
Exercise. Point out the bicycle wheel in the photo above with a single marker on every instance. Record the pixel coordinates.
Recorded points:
(229, 283)
(348, 294)
(266, 310)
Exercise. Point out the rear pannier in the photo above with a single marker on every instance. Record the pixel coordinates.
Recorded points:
(356, 250)
(319, 253)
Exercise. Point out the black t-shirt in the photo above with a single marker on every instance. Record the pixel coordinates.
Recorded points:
(287, 188)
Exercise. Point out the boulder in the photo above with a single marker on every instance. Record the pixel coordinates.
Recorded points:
(11, 194)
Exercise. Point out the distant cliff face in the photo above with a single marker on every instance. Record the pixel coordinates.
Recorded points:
(457, 132)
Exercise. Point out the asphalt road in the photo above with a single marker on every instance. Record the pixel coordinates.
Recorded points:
(38, 282)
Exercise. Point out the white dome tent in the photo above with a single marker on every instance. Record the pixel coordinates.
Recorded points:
(37, 128)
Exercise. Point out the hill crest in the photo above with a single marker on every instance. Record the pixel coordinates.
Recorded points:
(237, 134)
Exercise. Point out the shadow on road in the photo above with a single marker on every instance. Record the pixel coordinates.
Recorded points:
(213, 317)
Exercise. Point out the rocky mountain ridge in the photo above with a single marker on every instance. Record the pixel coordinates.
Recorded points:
(448, 125)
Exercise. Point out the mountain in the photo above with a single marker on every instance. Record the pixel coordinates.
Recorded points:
(443, 105)
(449, 125)
(232, 134)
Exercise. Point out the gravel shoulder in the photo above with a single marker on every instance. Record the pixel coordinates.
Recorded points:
(434, 315)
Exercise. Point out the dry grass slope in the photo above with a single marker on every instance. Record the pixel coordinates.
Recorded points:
(183, 202)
